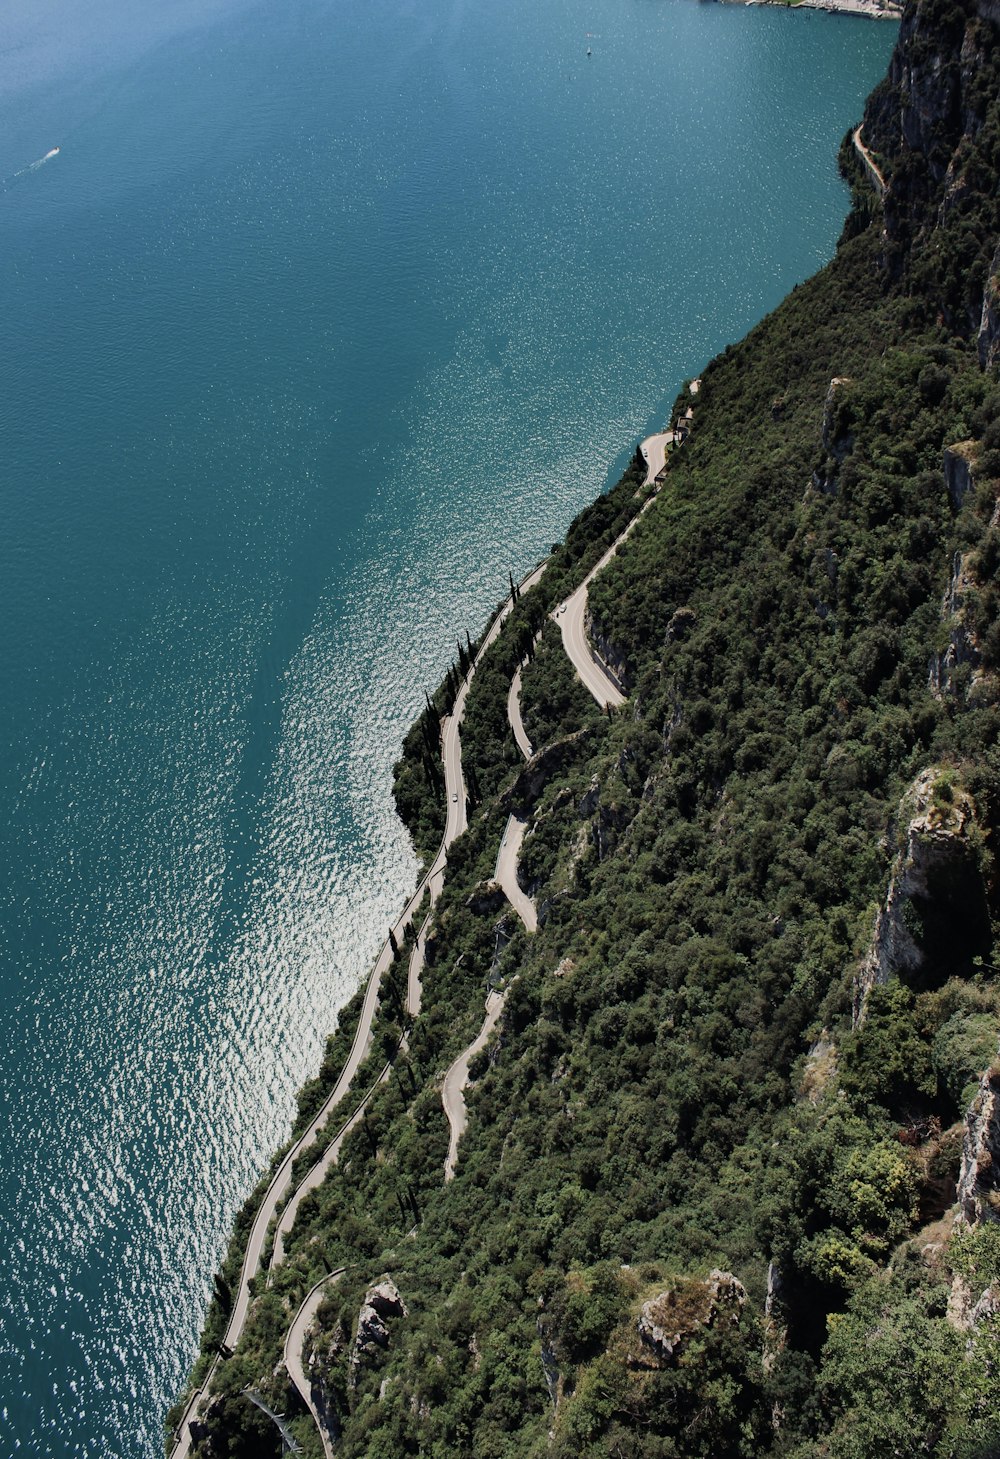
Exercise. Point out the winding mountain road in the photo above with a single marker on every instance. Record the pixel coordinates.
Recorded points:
(456, 821)
(593, 673)
(414, 984)
(457, 1077)
(318, 1173)
(295, 1340)
(506, 872)
(602, 685)
(654, 453)
(571, 616)
(871, 166)
(514, 716)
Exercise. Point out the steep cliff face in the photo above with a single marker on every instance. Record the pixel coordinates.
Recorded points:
(933, 125)
(979, 1178)
(935, 918)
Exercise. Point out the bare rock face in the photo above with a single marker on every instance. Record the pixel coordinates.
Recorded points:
(962, 647)
(381, 1302)
(988, 340)
(979, 1176)
(957, 465)
(921, 123)
(540, 768)
(681, 624)
(837, 439)
(610, 657)
(935, 913)
(590, 799)
(672, 1318)
(486, 899)
(978, 1197)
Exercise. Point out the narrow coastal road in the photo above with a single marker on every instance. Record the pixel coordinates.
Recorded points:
(514, 717)
(414, 985)
(571, 616)
(331, 1154)
(654, 453)
(282, 1179)
(457, 1077)
(506, 872)
(318, 1172)
(455, 823)
(871, 167)
(295, 1343)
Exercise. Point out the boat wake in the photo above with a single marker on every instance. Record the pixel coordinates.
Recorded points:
(31, 167)
(34, 167)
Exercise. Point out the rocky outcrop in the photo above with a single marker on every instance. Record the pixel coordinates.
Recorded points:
(540, 769)
(979, 1175)
(381, 1302)
(837, 439)
(835, 432)
(988, 340)
(923, 123)
(486, 899)
(961, 647)
(935, 916)
(550, 1364)
(978, 1198)
(670, 1320)
(606, 654)
(819, 1071)
(957, 466)
(590, 799)
(681, 624)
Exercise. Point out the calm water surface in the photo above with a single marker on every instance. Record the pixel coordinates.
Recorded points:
(324, 316)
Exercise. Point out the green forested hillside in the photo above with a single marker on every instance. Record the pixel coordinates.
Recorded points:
(706, 1204)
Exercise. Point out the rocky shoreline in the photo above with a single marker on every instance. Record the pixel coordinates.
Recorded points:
(872, 9)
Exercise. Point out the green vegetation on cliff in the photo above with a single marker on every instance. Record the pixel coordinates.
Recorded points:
(704, 1204)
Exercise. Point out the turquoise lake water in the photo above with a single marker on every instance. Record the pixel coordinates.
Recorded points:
(324, 317)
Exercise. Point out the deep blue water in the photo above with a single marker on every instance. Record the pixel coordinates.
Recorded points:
(324, 316)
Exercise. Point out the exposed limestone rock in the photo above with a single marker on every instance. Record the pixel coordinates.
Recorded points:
(486, 899)
(605, 827)
(670, 1319)
(978, 1197)
(550, 1365)
(837, 442)
(979, 1176)
(775, 1317)
(957, 466)
(380, 1302)
(920, 122)
(681, 623)
(589, 800)
(540, 768)
(962, 647)
(775, 1287)
(988, 341)
(819, 1072)
(606, 652)
(966, 1311)
(935, 908)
